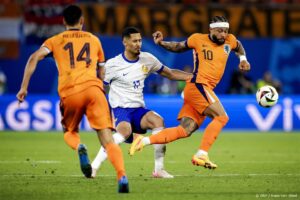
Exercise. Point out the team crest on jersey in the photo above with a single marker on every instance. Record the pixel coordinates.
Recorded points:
(227, 48)
(145, 69)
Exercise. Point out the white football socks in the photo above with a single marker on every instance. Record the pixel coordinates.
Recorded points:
(146, 141)
(102, 155)
(201, 153)
(159, 151)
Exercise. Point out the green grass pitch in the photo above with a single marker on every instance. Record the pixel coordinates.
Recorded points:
(251, 166)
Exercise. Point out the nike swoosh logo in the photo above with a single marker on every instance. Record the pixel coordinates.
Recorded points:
(124, 74)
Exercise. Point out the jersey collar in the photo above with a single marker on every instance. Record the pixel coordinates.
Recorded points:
(130, 61)
(73, 29)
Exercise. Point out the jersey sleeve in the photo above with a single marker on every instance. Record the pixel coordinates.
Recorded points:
(100, 52)
(101, 57)
(156, 66)
(109, 75)
(233, 42)
(48, 44)
(192, 40)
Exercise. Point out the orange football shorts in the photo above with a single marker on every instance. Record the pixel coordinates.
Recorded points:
(197, 98)
(90, 102)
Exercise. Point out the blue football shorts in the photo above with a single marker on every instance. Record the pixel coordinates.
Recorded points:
(132, 116)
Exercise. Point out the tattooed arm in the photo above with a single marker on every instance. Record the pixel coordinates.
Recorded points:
(241, 53)
(170, 46)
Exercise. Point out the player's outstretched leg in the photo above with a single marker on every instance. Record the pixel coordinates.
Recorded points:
(115, 156)
(84, 161)
(102, 155)
(210, 135)
(165, 136)
(97, 162)
(159, 155)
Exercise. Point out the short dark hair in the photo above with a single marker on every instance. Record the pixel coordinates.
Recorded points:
(72, 14)
(128, 31)
(218, 19)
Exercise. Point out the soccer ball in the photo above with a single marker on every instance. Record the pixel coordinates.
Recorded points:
(266, 96)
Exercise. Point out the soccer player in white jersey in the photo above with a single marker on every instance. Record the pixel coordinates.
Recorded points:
(125, 75)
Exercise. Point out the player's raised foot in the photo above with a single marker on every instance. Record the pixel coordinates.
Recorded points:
(204, 162)
(85, 165)
(136, 145)
(123, 185)
(161, 174)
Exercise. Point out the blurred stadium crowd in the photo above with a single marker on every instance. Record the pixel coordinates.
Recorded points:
(197, 1)
(172, 1)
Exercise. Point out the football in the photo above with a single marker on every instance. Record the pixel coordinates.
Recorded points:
(266, 96)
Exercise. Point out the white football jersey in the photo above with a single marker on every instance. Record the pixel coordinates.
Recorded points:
(126, 79)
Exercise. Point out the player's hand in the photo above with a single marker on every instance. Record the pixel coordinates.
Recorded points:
(157, 37)
(244, 65)
(21, 95)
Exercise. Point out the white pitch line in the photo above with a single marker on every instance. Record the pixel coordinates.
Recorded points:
(30, 161)
(233, 162)
(233, 175)
(135, 176)
(262, 162)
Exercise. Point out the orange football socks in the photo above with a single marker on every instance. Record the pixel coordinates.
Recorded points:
(72, 139)
(168, 135)
(115, 156)
(212, 131)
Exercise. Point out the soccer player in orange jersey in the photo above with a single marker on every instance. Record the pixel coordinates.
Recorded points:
(78, 55)
(211, 52)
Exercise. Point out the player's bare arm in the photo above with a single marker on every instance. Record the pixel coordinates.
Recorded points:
(174, 74)
(170, 46)
(241, 53)
(29, 70)
(174, 46)
(101, 71)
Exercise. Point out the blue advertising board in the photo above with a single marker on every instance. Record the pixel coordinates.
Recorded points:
(41, 113)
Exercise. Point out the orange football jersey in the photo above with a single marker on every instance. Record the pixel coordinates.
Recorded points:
(76, 54)
(209, 58)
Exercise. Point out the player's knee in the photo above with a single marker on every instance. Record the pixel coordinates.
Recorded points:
(156, 122)
(223, 119)
(188, 131)
(124, 129)
(153, 120)
(189, 126)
